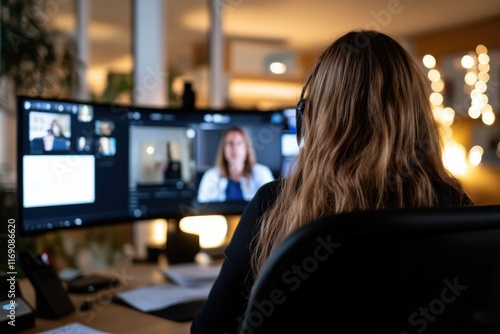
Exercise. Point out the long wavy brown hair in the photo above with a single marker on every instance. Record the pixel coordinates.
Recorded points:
(369, 139)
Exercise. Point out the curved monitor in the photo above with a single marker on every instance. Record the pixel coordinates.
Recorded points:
(85, 164)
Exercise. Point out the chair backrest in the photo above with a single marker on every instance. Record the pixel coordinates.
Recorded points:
(432, 270)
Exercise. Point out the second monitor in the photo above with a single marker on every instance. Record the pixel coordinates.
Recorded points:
(204, 162)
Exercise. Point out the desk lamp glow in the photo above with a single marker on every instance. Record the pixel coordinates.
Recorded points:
(158, 232)
(212, 229)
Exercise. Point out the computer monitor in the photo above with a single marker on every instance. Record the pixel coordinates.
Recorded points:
(84, 164)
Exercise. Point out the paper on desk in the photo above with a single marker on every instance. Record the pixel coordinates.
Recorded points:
(157, 297)
(192, 273)
(73, 328)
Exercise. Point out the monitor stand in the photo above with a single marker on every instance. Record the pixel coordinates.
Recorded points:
(181, 247)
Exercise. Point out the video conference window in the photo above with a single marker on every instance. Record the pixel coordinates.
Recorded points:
(104, 127)
(161, 156)
(234, 161)
(289, 115)
(49, 132)
(85, 113)
(289, 145)
(84, 144)
(52, 171)
(106, 146)
(52, 180)
(290, 149)
(161, 173)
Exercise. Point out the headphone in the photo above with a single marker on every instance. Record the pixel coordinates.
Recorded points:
(299, 111)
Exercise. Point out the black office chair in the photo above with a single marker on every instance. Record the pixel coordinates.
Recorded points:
(433, 270)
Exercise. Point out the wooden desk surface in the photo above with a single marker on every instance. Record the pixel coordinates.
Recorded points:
(106, 315)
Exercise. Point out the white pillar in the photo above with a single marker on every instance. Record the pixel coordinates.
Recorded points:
(217, 85)
(82, 47)
(8, 132)
(149, 78)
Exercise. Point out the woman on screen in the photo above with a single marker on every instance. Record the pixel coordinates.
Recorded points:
(55, 139)
(55, 129)
(236, 176)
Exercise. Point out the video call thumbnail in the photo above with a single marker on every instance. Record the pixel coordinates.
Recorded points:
(49, 132)
(161, 156)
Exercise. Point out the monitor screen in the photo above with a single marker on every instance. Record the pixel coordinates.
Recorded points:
(84, 164)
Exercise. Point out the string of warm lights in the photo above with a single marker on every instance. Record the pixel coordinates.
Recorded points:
(476, 79)
(453, 152)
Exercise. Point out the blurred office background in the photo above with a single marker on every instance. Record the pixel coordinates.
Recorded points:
(249, 54)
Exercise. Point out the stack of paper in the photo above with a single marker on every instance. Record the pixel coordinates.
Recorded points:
(75, 327)
(157, 297)
(191, 282)
(190, 274)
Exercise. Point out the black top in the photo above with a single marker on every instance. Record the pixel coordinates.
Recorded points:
(226, 303)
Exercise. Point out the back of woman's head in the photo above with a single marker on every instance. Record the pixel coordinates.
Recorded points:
(367, 95)
(368, 129)
(369, 138)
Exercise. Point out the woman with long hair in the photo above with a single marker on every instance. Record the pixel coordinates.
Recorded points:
(368, 141)
(236, 175)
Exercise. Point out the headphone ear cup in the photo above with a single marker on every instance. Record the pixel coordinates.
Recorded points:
(299, 114)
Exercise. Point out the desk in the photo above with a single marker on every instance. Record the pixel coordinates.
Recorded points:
(106, 315)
